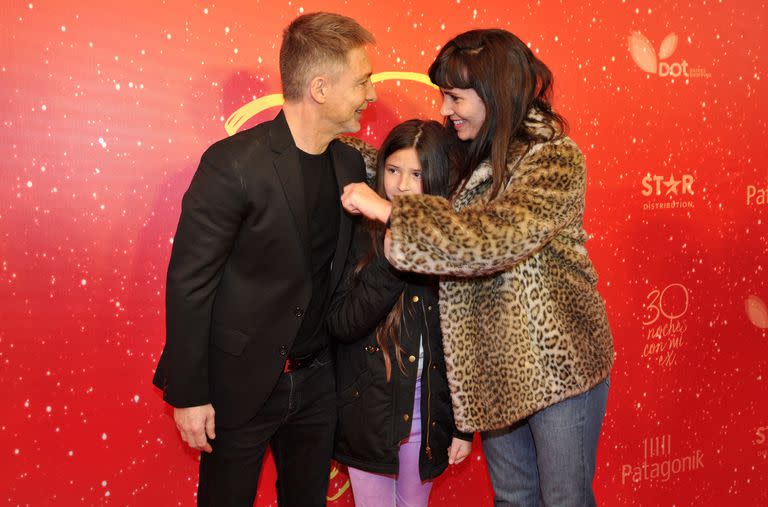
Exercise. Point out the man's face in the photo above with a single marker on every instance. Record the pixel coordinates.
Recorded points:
(349, 92)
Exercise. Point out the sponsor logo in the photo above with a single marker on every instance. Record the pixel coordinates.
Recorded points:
(244, 113)
(665, 325)
(660, 463)
(652, 62)
(340, 484)
(757, 311)
(761, 437)
(756, 195)
(671, 189)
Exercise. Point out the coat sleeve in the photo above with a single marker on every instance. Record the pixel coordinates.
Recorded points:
(369, 154)
(212, 211)
(544, 195)
(467, 437)
(364, 299)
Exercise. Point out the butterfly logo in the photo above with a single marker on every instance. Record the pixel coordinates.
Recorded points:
(645, 56)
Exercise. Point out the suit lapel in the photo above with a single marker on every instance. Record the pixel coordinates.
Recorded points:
(289, 172)
(345, 174)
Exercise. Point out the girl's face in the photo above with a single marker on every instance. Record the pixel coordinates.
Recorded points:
(465, 108)
(402, 173)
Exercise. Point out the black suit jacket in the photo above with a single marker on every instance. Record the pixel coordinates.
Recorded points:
(239, 278)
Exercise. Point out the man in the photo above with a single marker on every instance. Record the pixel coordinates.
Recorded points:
(260, 245)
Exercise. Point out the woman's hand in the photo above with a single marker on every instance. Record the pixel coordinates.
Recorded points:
(458, 450)
(360, 199)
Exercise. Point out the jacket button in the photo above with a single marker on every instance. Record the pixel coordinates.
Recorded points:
(434, 423)
(283, 351)
(406, 417)
(434, 366)
(298, 312)
(411, 359)
(356, 394)
(429, 307)
(415, 299)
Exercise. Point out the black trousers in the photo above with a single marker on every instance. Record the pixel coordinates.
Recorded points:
(298, 421)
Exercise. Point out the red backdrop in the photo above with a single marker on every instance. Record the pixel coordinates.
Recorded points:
(107, 108)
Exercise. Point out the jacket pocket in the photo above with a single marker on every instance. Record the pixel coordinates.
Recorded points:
(229, 340)
(354, 391)
(363, 427)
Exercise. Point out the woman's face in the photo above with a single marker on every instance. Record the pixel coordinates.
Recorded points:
(402, 173)
(465, 108)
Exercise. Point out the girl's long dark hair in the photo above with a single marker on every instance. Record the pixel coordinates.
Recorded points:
(511, 81)
(438, 157)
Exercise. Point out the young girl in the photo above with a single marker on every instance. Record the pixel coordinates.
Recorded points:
(527, 341)
(395, 429)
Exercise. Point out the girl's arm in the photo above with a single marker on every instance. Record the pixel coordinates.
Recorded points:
(362, 301)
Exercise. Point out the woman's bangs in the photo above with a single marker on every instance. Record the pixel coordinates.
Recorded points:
(451, 72)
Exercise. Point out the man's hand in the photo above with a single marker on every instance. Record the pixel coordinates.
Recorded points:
(360, 199)
(458, 450)
(194, 424)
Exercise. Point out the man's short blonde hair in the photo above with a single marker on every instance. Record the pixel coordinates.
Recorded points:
(317, 42)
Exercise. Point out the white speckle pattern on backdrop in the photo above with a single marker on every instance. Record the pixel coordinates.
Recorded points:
(107, 108)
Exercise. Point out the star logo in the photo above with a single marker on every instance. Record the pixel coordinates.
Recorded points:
(671, 185)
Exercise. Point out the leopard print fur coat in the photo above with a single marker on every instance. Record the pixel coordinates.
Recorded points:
(523, 324)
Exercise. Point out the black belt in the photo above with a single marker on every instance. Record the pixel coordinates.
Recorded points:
(297, 363)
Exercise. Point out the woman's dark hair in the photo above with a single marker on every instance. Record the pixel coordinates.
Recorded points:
(437, 151)
(511, 81)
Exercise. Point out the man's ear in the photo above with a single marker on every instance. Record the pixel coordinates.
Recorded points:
(318, 89)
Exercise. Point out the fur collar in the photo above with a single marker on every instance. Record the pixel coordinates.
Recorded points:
(537, 125)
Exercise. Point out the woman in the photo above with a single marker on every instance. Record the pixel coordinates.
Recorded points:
(527, 342)
(395, 422)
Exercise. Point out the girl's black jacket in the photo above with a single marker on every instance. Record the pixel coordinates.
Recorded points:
(375, 415)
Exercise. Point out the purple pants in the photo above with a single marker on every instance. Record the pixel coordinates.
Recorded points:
(404, 489)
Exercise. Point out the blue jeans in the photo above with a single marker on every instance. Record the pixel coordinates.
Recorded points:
(549, 458)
